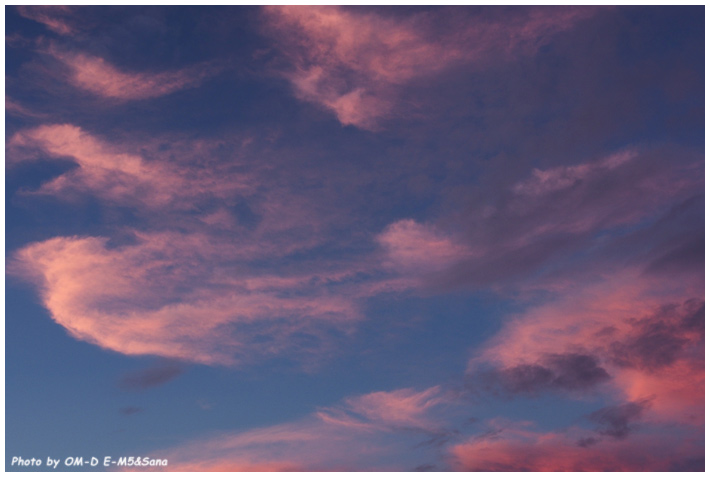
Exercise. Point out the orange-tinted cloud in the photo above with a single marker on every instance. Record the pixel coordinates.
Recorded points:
(351, 61)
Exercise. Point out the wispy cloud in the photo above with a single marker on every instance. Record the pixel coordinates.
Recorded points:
(543, 219)
(352, 61)
(116, 176)
(57, 18)
(331, 439)
(400, 408)
(188, 282)
(119, 177)
(99, 77)
(14, 108)
(177, 296)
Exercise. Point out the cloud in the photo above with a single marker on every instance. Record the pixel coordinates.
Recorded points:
(378, 426)
(414, 247)
(188, 279)
(119, 177)
(521, 450)
(353, 61)
(14, 108)
(548, 181)
(99, 77)
(178, 296)
(569, 372)
(400, 408)
(325, 440)
(58, 18)
(130, 410)
(632, 333)
(156, 375)
(116, 176)
(656, 346)
(615, 421)
(530, 231)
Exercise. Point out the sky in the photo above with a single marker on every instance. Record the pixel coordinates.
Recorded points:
(355, 238)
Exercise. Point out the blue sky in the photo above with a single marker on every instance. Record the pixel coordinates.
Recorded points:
(356, 238)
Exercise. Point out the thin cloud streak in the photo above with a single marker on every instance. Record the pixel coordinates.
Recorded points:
(99, 77)
(57, 18)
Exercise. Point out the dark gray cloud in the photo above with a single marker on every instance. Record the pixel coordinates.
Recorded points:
(130, 410)
(156, 375)
(656, 346)
(566, 372)
(617, 421)
(696, 321)
(587, 441)
(661, 339)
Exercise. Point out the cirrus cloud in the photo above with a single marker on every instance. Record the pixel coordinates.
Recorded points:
(101, 78)
(353, 61)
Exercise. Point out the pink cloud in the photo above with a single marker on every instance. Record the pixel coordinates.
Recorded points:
(57, 18)
(400, 408)
(351, 61)
(633, 187)
(116, 176)
(192, 295)
(120, 177)
(521, 450)
(332, 439)
(178, 296)
(101, 78)
(546, 181)
(640, 332)
(411, 246)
